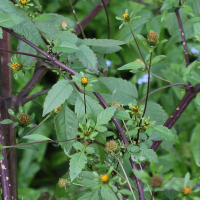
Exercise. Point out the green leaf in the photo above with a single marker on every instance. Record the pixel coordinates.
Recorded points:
(99, 149)
(132, 66)
(193, 78)
(92, 107)
(140, 174)
(57, 95)
(106, 50)
(66, 47)
(101, 62)
(193, 20)
(167, 5)
(195, 141)
(166, 133)
(102, 42)
(87, 179)
(69, 37)
(133, 149)
(100, 87)
(77, 163)
(28, 147)
(127, 192)
(10, 20)
(78, 146)
(1, 33)
(101, 128)
(36, 137)
(66, 126)
(1, 157)
(87, 57)
(107, 193)
(144, 41)
(90, 150)
(197, 99)
(105, 116)
(93, 195)
(150, 154)
(121, 114)
(6, 121)
(123, 91)
(157, 59)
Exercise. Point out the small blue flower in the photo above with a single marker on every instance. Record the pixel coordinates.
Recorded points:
(144, 79)
(109, 63)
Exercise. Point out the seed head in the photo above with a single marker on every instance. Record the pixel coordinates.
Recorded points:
(156, 181)
(84, 81)
(126, 17)
(104, 178)
(117, 104)
(24, 119)
(111, 146)
(186, 190)
(62, 182)
(152, 38)
(64, 24)
(23, 2)
(16, 66)
(138, 113)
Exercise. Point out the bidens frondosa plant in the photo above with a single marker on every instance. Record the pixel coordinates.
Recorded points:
(102, 130)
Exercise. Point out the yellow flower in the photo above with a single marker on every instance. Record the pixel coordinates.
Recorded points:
(186, 190)
(104, 178)
(135, 108)
(23, 2)
(84, 81)
(16, 66)
(126, 17)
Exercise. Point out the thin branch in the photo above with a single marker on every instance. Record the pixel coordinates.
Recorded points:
(29, 98)
(77, 21)
(107, 17)
(161, 88)
(90, 16)
(161, 78)
(22, 53)
(183, 37)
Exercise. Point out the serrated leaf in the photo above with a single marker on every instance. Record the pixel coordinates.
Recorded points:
(167, 5)
(87, 57)
(107, 193)
(99, 149)
(78, 146)
(10, 20)
(106, 50)
(133, 148)
(67, 47)
(101, 128)
(77, 163)
(101, 62)
(150, 154)
(90, 150)
(197, 99)
(93, 195)
(105, 116)
(121, 114)
(27, 147)
(127, 192)
(132, 66)
(36, 137)
(102, 42)
(6, 121)
(100, 87)
(66, 126)
(123, 91)
(195, 141)
(87, 179)
(57, 95)
(166, 133)
(157, 59)
(193, 78)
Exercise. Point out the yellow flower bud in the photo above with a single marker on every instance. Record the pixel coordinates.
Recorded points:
(23, 2)
(126, 17)
(16, 66)
(186, 190)
(104, 178)
(64, 24)
(84, 81)
(57, 109)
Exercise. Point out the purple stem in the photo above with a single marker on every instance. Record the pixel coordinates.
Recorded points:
(183, 37)
(102, 101)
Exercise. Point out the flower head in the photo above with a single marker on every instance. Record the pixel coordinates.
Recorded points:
(117, 104)
(152, 38)
(63, 182)
(135, 108)
(156, 181)
(111, 146)
(24, 119)
(84, 81)
(126, 17)
(104, 178)
(64, 24)
(16, 66)
(186, 190)
(23, 2)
